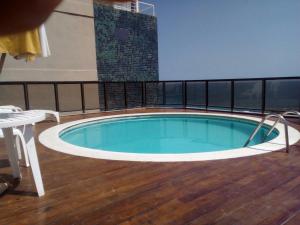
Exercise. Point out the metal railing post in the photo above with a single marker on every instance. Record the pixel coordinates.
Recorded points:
(56, 97)
(232, 95)
(125, 95)
(263, 97)
(143, 93)
(184, 93)
(82, 97)
(105, 96)
(206, 95)
(26, 98)
(164, 92)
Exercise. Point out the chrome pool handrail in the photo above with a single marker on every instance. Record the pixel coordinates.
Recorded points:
(279, 118)
(296, 113)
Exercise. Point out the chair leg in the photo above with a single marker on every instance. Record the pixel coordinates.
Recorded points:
(57, 117)
(12, 151)
(18, 146)
(33, 158)
(19, 138)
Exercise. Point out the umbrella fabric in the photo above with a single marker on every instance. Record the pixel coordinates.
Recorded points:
(44, 41)
(25, 45)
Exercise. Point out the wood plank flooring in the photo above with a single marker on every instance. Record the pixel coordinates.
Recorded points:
(261, 190)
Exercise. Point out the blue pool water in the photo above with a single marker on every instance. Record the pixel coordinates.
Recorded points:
(165, 134)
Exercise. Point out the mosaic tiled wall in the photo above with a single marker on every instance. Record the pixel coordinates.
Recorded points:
(126, 45)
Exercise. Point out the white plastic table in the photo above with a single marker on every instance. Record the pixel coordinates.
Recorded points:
(25, 118)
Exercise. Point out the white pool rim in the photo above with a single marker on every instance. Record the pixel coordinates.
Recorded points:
(50, 138)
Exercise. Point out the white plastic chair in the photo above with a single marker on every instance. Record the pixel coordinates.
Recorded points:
(19, 134)
(19, 138)
(10, 121)
(13, 108)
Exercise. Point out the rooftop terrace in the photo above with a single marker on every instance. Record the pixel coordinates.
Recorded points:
(262, 189)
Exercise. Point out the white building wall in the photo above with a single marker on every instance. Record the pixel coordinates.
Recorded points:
(72, 43)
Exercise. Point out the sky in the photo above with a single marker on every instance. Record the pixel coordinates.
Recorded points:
(212, 39)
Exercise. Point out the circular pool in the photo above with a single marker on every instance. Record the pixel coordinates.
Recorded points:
(165, 134)
(164, 137)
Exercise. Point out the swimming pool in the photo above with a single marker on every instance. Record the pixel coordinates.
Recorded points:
(165, 134)
(163, 137)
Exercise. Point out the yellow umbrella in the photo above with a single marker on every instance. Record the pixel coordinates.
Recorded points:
(25, 45)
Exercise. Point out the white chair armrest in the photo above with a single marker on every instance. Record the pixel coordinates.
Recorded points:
(12, 108)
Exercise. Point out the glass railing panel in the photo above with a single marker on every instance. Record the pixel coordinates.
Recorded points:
(154, 93)
(41, 96)
(12, 95)
(91, 96)
(196, 94)
(219, 95)
(134, 94)
(283, 95)
(174, 95)
(115, 95)
(248, 95)
(69, 96)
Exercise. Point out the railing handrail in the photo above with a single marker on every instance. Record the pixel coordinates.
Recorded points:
(154, 81)
(150, 6)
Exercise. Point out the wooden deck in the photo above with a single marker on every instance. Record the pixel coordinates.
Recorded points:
(262, 189)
